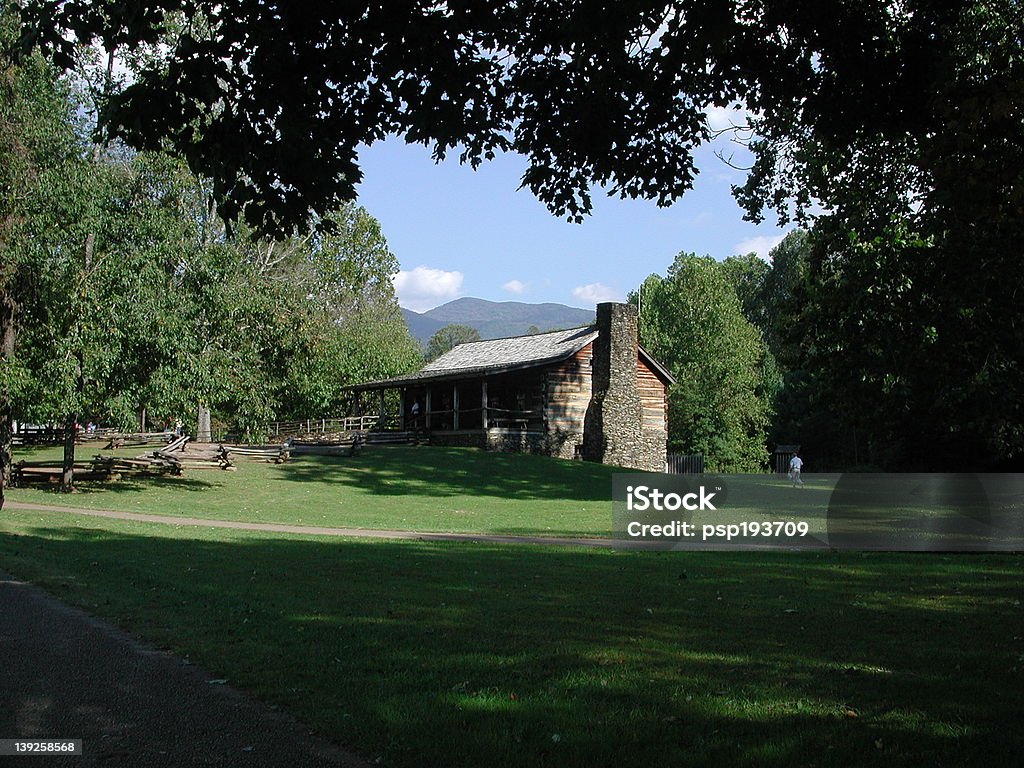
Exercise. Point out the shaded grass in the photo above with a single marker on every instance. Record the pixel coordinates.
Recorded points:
(459, 654)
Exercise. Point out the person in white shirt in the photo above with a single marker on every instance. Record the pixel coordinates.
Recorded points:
(795, 465)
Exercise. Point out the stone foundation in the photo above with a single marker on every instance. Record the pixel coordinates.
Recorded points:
(516, 441)
(462, 439)
(563, 445)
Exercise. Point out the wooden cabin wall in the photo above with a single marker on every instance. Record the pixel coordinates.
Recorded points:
(652, 398)
(568, 392)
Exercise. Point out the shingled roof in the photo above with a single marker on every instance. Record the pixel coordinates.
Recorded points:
(492, 356)
(497, 356)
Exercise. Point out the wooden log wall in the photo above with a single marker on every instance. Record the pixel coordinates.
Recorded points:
(567, 393)
(652, 397)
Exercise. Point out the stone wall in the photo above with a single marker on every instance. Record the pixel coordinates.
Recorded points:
(613, 430)
(561, 444)
(516, 441)
(463, 439)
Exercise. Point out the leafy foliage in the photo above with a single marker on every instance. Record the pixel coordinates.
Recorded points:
(692, 322)
(164, 311)
(272, 100)
(449, 337)
(911, 321)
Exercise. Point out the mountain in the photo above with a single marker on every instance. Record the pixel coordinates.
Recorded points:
(495, 319)
(420, 326)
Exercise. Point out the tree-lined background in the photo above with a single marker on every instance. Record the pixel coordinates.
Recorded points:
(178, 229)
(127, 301)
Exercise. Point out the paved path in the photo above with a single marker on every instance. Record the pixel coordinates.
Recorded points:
(64, 674)
(310, 530)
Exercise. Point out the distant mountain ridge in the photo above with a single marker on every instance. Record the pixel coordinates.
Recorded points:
(495, 319)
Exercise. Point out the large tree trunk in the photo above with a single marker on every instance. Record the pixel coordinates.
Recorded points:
(141, 415)
(67, 480)
(6, 458)
(203, 432)
(8, 336)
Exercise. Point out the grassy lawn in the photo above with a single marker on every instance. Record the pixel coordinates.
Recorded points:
(468, 490)
(406, 488)
(426, 489)
(469, 654)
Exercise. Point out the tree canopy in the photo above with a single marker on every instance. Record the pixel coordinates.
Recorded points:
(121, 291)
(272, 99)
(693, 323)
(447, 338)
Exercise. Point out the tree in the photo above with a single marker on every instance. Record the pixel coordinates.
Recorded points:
(39, 163)
(354, 330)
(448, 338)
(692, 321)
(272, 100)
(911, 323)
(783, 296)
(747, 275)
(119, 293)
(590, 93)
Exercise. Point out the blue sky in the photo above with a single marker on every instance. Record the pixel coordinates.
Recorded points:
(457, 232)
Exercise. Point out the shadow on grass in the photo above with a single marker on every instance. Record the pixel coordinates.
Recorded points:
(127, 484)
(439, 471)
(436, 654)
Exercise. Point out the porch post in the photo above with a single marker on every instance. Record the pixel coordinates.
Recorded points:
(455, 406)
(426, 410)
(483, 403)
(401, 410)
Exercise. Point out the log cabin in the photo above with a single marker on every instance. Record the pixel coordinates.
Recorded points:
(592, 393)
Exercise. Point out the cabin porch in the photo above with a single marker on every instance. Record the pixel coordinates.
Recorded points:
(477, 410)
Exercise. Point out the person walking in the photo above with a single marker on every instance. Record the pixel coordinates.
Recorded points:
(795, 465)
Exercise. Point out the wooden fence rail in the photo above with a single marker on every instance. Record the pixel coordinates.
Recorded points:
(286, 429)
(313, 426)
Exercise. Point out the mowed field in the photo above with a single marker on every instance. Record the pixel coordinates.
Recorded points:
(409, 488)
(463, 654)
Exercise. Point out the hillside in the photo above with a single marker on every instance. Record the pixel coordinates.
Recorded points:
(420, 326)
(495, 319)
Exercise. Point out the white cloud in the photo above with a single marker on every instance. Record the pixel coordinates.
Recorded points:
(760, 245)
(595, 293)
(422, 288)
(721, 118)
(514, 286)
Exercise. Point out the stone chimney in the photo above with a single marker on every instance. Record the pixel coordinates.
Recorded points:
(613, 427)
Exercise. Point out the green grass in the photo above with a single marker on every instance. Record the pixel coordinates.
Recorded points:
(425, 489)
(468, 490)
(469, 654)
